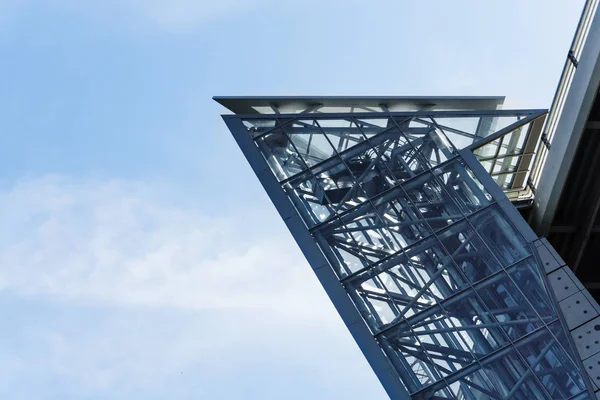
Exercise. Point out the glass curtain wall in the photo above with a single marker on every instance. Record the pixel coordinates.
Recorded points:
(448, 287)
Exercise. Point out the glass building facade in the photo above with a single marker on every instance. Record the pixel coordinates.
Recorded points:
(405, 217)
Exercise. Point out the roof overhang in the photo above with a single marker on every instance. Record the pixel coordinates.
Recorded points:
(296, 104)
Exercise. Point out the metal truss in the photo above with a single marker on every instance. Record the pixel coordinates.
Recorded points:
(449, 288)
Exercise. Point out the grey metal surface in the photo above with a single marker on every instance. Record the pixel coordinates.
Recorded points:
(297, 104)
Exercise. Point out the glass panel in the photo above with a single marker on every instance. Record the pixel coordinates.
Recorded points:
(309, 199)
(369, 169)
(370, 234)
(362, 235)
(513, 142)
(506, 164)
(530, 283)
(479, 330)
(467, 126)
(467, 192)
(433, 202)
(559, 333)
(334, 189)
(415, 280)
(508, 305)
(309, 141)
(428, 140)
(437, 329)
(434, 272)
(505, 181)
(500, 236)
(401, 216)
(489, 150)
(282, 157)
(416, 368)
(488, 166)
(342, 133)
(510, 376)
(435, 147)
(476, 385)
(445, 346)
(382, 307)
(490, 125)
(551, 365)
(339, 187)
(333, 109)
(446, 359)
(401, 157)
(405, 122)
(374, 125)
(495, 157)
(582, 396)
(468, 251)
(257, 127)
(499, 123)
(464, 131)
(340, 248)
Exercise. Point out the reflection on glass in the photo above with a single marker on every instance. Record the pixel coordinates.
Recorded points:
(466, 190)
(504, 158)
(310, 142)
(257, 127)
(434, 203)
(360, 233)
(476, 325)
(500, 236)
(469, 251)
(550, 364)
(282, 157)
(561, 337)
(527, 275)
(474, 386)
(429, 141)
(304, 194)
(510, 307)
(342, 133)
(401, 217)
(464, 131)
(511, 377)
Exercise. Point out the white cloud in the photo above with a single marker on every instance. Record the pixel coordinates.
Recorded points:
(113, 293)
(120, 243)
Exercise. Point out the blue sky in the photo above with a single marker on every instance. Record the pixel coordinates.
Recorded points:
(139, 256)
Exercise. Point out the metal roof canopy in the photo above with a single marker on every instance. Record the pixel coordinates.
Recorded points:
(252, 104)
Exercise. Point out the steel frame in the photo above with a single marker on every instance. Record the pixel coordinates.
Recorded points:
(427, 262)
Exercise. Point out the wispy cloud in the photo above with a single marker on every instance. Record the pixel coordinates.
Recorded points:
(117, 242)
(113, 292)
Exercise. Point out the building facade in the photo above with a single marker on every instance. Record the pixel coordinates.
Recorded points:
(406, 210)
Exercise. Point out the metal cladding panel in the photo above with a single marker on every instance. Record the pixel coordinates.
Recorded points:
(432, 269)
